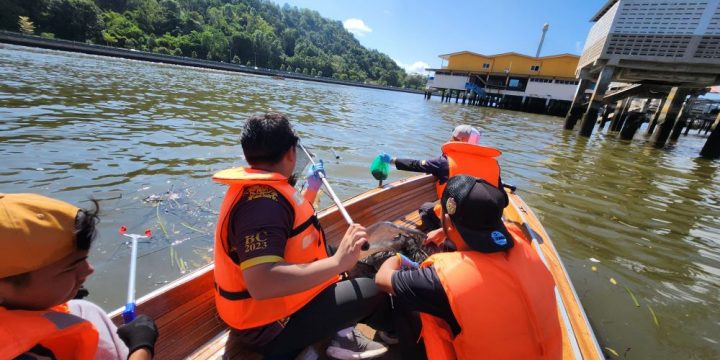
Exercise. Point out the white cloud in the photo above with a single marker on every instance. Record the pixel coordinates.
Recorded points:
(356, 26)
(417, 67)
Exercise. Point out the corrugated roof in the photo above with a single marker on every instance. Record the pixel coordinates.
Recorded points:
(446, 56)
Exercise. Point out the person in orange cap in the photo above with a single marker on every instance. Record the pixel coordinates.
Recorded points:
(44, 245)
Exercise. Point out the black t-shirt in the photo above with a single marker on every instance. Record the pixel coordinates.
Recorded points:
(421, 290)
(437, 166)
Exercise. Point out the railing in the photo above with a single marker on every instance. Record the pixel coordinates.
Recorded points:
(475, 88)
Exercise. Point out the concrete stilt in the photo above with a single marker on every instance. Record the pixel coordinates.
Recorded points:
(457, 96)
(609, 108)
(670, 112)
(682, 119)
(576, 109)
(656, 116)
(464, 97)
(711, 149)
(632, 123)
(601, 86)
(620, 110)
(689, 126)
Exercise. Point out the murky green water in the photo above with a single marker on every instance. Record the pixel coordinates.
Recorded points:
(146, 138)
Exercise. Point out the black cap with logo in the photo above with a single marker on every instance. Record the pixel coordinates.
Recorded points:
(476, 208)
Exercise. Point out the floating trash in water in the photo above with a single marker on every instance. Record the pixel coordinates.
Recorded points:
(39, 169)
(634, 299)
(612, 281)
(594, 269)
(594, 260)
(612, 351)
(655, 319)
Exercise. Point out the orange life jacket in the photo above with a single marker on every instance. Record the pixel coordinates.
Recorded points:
(504, 303)
(67, 336)
(306, 244)
(469, 159)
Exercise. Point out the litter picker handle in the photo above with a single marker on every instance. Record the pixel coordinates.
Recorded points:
(129, 313)
(334, 197)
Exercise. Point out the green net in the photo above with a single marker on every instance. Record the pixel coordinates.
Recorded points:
(379, 169)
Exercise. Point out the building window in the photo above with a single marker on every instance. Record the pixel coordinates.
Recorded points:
(535, 68)
(486, 66)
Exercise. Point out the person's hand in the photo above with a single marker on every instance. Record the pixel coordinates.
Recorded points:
(385, 157)
(436, 237)
(139, 333)
(348, 251)
(313, 175)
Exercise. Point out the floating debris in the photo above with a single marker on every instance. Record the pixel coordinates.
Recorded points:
(634, 299)
(192, 228)
(594, 268)
(655, 319)
(612, 351)
(594, 260)
(612, 281)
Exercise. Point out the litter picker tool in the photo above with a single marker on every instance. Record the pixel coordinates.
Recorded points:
(334, 197)
(129, 312)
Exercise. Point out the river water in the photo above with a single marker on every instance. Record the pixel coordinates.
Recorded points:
(634, 225)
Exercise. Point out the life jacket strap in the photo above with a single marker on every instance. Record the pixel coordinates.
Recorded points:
(313, 220)
(232, 295)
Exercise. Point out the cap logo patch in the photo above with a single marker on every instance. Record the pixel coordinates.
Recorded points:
(451, 206)
(498, 238)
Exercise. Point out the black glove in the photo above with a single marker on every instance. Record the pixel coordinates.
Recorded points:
(139, 333)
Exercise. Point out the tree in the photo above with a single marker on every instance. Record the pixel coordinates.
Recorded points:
(297, 70)
(77, 20)
(193, 54)
(235, 60)
(282, 67)
(319, 73)
(25, 25)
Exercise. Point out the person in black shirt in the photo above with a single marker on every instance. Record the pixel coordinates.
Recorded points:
(437, 166)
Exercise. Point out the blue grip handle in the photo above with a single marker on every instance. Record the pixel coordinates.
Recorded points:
(129, 313)
(407, 263)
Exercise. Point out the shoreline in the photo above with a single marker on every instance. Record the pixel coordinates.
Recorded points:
(93, 49)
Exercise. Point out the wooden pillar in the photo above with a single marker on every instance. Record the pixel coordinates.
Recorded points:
(682, 119)
(591, 114)
(656, 116)
(576, 107)
(711, 149)
(670, 112)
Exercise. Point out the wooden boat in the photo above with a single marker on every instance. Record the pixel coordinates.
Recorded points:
(189, 327)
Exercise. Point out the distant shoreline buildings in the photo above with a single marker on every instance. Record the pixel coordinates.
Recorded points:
(544, 84)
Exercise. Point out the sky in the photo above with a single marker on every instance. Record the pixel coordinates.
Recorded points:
(415, 33)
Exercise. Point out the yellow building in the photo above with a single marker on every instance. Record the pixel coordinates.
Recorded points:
(516, 78)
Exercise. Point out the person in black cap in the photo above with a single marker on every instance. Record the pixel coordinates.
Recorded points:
(492, 298)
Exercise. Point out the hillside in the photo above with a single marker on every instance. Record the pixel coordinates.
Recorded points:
(251, 32)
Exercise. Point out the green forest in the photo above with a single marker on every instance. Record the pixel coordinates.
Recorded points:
(247, 32)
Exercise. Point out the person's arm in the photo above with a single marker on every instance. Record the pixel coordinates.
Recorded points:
(140, 354)
(417, 290)
(436, 166)
(140, 336)
(313, 181)
(270, 280)
(383, 278)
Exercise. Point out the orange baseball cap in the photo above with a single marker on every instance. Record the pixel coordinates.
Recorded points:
(35, 231)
